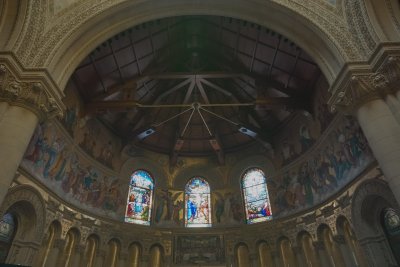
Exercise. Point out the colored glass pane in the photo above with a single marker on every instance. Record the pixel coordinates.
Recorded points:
(197, 203)
(140, 195)
(255, 192)
(7, 226)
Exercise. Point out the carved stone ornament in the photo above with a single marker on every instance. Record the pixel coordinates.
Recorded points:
(30, 95)
(364, 87)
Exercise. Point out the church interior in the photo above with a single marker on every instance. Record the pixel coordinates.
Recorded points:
(241, 133)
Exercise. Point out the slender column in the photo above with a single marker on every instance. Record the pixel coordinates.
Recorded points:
(345, 250)
(47, 244)
(264, 255)
(275, 259)
(22, 105)
(100, 258)
(310, 251)
(123, 260)
(324, 258)
(301, 261)
(134, 256)
(253, 259)
(77, 255)
(155, 257)
(54, 253)
(350, 238)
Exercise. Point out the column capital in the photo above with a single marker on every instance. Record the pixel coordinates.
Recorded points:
(29, 90)
(360, 86)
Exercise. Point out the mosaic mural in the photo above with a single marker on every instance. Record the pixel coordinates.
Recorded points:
(339, 157)
(55, 160)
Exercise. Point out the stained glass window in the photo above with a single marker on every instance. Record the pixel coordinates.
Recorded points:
(197, 203)
(140, 195)
(7, 230)
(256, 198)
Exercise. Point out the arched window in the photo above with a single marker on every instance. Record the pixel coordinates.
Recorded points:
(140, 195)
(256, 198)
(7, 232)
(197, 200)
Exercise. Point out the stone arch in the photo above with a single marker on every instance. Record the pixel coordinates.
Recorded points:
(67, 50)
(12, 18)
(241, 166)
(24, 200)
(369, 200)
(205, 171)
(141, 163)
(384, 18)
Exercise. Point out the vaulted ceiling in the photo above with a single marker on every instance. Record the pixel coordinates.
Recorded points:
(196, 85)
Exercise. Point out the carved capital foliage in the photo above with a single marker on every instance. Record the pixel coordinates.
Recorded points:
(362, 87)
(31, 94)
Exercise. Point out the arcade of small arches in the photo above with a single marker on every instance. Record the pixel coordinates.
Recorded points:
(45, 236)
(200, 133)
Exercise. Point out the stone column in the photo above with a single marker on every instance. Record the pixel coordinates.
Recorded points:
(100, 258)
(370, 97)
(324, 258)
(276, 261)
(23, 102)
(123, 258)
(77, 255)
(254, 259)
(345, 250)
(301, 261)
(54, 253)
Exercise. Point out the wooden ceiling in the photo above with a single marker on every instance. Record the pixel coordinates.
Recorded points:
(196, 85)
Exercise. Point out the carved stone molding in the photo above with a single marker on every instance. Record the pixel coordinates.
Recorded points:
(31, 95)
(360, 87)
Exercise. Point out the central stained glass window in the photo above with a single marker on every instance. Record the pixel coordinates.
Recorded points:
(140, 195)
(197, 203)
(256, 197)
